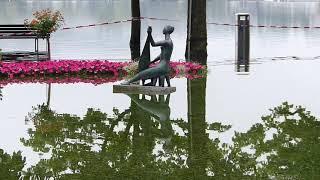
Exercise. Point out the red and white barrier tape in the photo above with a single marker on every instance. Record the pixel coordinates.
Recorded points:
(271, 26)
(163, 19)
(287, 27)
(228, 24)
(99, 24)
(160, 19)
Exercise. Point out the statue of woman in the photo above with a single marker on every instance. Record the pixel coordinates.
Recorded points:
(162, 69)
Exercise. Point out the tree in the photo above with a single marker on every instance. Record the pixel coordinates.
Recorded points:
(121, 154)
(196, 49)
(11, 165)
(135, 29)
(92, 148)
(140, 142)
(291, 153)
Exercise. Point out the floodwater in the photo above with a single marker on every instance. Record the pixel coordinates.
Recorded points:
(219, 126)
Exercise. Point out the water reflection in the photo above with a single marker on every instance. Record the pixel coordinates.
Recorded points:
(157, 107)
(1, 93)
(120, 146)
(198, 154)
(11, 165)
(154, 117)
(242, 68)
(284, 146)
(140, 142)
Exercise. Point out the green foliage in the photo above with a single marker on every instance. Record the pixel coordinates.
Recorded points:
(45, 22)
(132, 145)
(92, 148)
(219, 127)
(131, 69)
(11, 165)
(291, 153)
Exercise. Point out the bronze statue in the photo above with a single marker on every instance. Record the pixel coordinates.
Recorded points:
(161, 70)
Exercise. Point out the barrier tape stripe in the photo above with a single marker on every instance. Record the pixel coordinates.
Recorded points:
(264, 26)
(100, 24)
(75, 27)
(160, 19)
(163, 19)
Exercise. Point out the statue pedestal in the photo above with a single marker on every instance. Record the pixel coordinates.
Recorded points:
(138, 89)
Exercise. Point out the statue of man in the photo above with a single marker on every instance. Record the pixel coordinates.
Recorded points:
(162, 69)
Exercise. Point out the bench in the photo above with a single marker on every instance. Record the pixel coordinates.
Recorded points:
(21, 31)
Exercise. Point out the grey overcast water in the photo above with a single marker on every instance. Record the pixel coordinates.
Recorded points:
(285, 63)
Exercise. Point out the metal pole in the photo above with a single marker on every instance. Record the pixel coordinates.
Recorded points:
(243, 42)
(48, 50)
(37, 48)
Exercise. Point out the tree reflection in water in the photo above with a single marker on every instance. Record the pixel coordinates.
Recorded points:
(11, 166)
(1, 93)
(291, 153)
(141, 142)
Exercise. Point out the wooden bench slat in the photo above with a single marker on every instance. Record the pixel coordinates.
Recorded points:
(12, 25)
(22, 31)
(19, 37)
(16, 29)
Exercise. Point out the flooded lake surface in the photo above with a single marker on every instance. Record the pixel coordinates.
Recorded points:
(218, 126)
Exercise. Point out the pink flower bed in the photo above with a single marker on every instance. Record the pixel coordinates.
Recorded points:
(23, 69)
(94, 79)
(188, 69)
(72, 71)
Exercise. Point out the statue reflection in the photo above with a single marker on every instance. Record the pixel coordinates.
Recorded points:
(157, 108)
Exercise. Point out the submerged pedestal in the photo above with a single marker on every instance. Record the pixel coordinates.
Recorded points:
(138, 89)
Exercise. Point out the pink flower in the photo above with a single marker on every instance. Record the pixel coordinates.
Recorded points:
(37, 71)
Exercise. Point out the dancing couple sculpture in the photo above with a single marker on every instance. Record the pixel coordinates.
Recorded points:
(161, 70)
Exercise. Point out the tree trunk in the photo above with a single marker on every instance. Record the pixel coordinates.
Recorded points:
(135, 29)
(198, 138)
(197, 32)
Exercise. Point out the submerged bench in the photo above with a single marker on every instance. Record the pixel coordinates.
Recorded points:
(21, 31)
